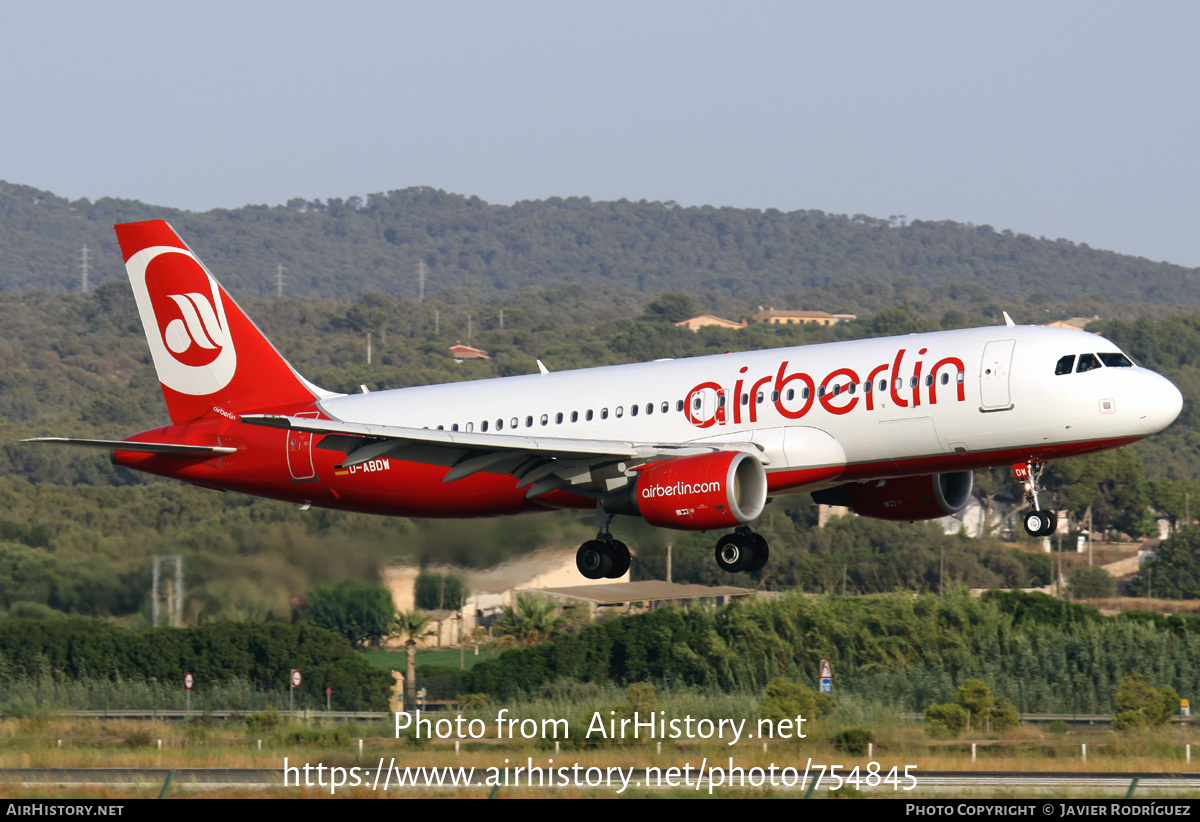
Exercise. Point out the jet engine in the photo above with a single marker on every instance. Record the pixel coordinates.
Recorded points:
(720, 490)
(903, 498)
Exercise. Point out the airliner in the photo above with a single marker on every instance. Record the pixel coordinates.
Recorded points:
(890, 427)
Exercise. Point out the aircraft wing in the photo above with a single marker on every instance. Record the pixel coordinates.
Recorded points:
(542, 464)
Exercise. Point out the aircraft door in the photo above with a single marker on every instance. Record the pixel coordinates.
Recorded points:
(993, 376)
(299, 452)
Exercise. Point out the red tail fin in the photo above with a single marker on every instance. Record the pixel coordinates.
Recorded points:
(209, 356)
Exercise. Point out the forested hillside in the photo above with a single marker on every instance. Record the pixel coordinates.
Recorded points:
(347, 248)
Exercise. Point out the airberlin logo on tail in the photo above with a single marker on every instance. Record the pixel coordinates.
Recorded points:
(197, 327)
(184, 317)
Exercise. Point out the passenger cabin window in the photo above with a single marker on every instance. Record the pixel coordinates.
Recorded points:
(454, 427)
(603, 413)
(512, 423)
(1115, 360)
(620, 411)
(588, 415)
(574, 416)
(633, 410)
(558, 418)
(679, 405)
(483, 426)
(666, 406)
(470, 427)
(1065, 364)
(529, 422)
(499, 425)
(1087, 362)
(545, 418)
(650, 408)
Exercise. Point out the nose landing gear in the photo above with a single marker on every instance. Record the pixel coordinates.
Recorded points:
(1038, 523)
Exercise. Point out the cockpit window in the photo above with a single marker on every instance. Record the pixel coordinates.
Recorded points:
(1087, 362)
(1115, 359)
(1064, 365)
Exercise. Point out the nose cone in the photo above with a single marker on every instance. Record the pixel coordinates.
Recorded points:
(1159, 403)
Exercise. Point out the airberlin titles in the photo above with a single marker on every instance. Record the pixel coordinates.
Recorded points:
(840, 392)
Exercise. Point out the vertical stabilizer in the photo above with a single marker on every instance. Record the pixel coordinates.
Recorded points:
(209, 356)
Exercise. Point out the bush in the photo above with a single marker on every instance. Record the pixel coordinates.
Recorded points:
(945, 721)
(854, 741)
(1004, 715)
(265, 721)
(787, 700)
(1058, 727)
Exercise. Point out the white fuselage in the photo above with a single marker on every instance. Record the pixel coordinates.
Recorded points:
(949, 399)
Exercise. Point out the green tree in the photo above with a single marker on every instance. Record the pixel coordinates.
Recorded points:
(1138, 704)
(1091, 582)
(362, 612)
(1174, 573)
(533, 620)
(976, 698)
(411, 626)
(672, 306)
(440, 592)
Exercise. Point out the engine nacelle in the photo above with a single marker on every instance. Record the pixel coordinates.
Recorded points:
(904, 498)
(720, 490)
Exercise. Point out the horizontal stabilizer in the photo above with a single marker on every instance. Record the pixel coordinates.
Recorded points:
(165, 448)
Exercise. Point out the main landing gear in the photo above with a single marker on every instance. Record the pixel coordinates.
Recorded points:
(743, 550)
(603, 557)
(1038, 523)
(608, 558)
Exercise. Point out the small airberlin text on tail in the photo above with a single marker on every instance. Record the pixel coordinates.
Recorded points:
(209, 356)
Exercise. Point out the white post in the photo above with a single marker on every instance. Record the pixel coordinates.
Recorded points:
(1189, 753)
(360, 747)
(260, 744)
(870, 750)
(1084, 751)
(160, 744)
(456, 747)
(972, 751)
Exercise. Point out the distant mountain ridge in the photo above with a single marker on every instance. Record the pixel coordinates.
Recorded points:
(346, 248)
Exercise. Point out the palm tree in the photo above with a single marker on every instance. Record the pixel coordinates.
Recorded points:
(412, 626)
(532, 620)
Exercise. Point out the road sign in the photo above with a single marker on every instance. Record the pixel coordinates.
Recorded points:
(328, 692)
(295, 679)
(188, 681)
(826, 670)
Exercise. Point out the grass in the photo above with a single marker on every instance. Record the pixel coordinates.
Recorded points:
(49, 741)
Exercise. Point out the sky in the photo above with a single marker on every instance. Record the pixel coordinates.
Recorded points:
(1059, 119)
